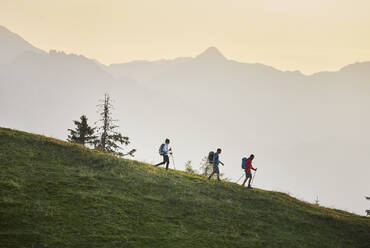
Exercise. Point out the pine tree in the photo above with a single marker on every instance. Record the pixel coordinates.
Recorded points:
(206, 167)
(188, 168)
(83, 134)
(110, 140)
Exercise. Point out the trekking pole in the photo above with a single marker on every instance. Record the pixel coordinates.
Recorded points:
(173, 161)
(254, 175)
(240, 178)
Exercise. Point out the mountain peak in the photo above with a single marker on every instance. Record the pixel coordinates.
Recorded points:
(211, 53)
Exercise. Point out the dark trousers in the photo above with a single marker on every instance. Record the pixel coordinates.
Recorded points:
(166, 160)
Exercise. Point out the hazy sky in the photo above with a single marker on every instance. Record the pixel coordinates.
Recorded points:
(289, 34)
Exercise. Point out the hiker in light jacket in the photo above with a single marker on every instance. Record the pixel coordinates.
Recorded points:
(164, 151)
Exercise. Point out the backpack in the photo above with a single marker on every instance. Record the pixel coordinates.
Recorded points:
(243, 163)
(161, 149)
(210, 157)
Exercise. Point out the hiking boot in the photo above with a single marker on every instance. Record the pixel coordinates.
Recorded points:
(250, 187)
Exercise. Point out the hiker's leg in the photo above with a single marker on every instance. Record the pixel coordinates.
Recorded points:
(245, 180)
(167, 161)
(249, 182)
(248, 177)
(211, 175)
(218, 173)
(164, 161)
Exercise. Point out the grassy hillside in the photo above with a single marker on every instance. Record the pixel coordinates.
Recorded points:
(55, 194)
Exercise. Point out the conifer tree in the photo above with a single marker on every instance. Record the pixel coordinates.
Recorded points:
(206, 167)
(109, 139)
(188, 168)
(83, 134)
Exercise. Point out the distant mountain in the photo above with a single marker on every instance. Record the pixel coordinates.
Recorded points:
(12, 45)
(43, 92)
(142, 70)
(209, 69)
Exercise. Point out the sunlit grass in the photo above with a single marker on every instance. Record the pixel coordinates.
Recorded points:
(57, 194)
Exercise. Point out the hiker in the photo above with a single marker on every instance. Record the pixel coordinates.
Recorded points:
(216, 161)
(164, 151)
(247, 166)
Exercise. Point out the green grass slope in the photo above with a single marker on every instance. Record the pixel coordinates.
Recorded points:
(55, 194)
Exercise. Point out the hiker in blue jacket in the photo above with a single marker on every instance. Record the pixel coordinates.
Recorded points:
(164, 151)
(216, 162)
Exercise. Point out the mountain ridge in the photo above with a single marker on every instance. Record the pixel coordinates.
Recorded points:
(12, 45)
(210, 54)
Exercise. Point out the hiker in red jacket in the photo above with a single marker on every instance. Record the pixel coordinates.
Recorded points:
(247, 168)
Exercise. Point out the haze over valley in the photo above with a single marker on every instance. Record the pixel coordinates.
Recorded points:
(310, 133)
